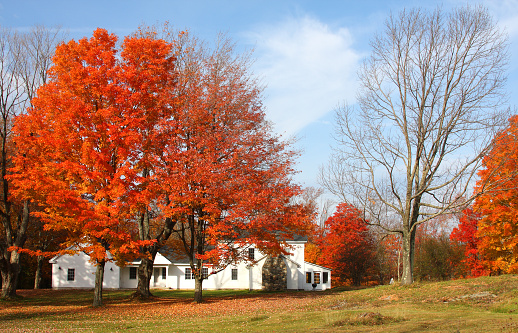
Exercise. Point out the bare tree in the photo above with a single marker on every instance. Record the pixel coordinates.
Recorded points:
(430, 100)
(318, 203)
(24, 61)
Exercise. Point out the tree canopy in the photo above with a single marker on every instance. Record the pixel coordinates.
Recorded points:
(497, 205)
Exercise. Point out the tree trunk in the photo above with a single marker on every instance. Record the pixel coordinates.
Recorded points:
(98, 289)
(408, 258)
(198, 297)
(37, 276)
(145, 270)
(10, 275)
(10, 261)
(399, 265)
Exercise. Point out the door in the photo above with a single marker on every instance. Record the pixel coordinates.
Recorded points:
(156, 276)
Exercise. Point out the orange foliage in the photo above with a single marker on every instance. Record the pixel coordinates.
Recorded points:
(119, 136)
(81, 145)
(346, 246)
(465, 233)
(312, 253)
(498, 203)
(157, 131)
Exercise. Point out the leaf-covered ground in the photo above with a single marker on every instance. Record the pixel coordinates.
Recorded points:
(41, 309)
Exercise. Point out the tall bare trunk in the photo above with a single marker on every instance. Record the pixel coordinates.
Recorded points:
(408, 258)
(37, 276)
(98, 288)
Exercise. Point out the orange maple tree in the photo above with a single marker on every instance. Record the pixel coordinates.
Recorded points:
(225, 176)
(347, 246)
(498, 203)
(83, 145)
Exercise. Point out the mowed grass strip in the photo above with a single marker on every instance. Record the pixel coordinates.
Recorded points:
(471, 305)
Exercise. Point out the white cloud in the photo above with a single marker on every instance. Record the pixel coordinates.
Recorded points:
(308, 68)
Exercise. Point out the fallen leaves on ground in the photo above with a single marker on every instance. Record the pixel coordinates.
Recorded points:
(164, 307)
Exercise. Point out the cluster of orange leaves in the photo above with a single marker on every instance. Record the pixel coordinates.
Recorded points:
(498, 204)
(466, 234)
(344, 245)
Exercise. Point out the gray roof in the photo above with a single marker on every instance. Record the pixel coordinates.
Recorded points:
(298, 238)
(173, 256)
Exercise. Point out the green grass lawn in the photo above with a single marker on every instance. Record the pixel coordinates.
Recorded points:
(487, 304)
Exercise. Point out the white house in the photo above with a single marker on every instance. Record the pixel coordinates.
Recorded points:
(75, 271)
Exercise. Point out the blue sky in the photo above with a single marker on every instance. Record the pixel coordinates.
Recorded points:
(307, 52)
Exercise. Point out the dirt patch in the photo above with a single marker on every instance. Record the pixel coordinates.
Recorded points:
(392, 297)
(347, 306)
(484, 296)
(366, 319)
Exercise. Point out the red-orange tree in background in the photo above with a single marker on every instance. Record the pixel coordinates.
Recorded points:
(346, 246)
(465, 233)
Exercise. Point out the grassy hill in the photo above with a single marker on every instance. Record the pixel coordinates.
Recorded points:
(486, 304)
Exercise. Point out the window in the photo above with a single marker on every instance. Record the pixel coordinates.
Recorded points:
(190, 275)
(251, 254)
(317, 277)
(133, 273)
(325, 277)
(234, 274)
(308, 277)
(71, 274)
(164, 273)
